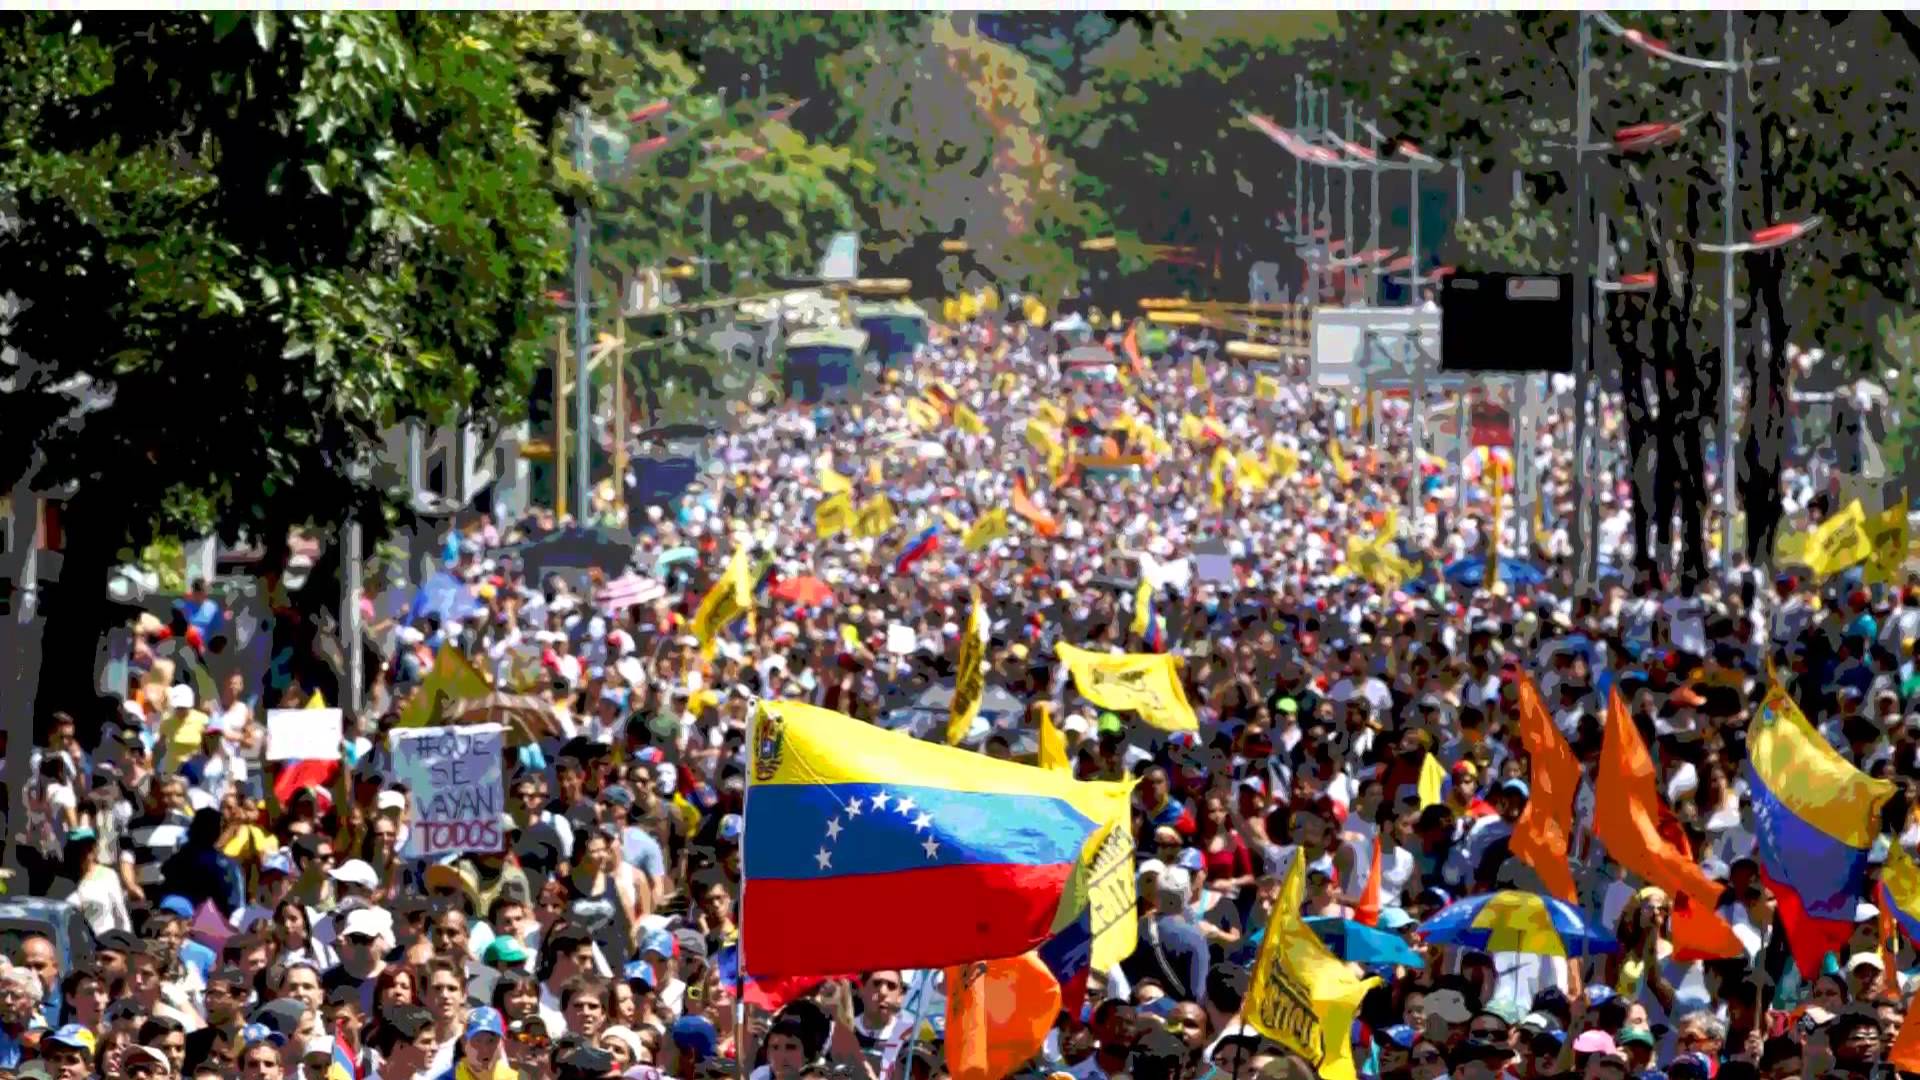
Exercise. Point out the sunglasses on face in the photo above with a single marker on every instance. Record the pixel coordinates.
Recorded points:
(1427, 1057)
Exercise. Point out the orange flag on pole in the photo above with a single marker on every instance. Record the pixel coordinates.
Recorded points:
(998, 1015)
(1540, 836)
(1023, 504)
(1367, 911)
(1628, 820)
(1904, 1054)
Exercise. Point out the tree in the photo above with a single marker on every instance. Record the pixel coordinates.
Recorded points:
(1823, 132)
(269, 238)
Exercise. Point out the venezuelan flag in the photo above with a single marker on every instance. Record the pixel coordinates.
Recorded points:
(919, 548)
(1816, 818)
(342, 1066)
(1899, 892)
(923, 855)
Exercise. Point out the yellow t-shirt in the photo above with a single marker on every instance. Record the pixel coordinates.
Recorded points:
(181, 733)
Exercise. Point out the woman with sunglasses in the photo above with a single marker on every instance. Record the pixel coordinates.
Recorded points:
(1428, 1061)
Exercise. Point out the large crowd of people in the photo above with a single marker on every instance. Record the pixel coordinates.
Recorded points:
(239, 926)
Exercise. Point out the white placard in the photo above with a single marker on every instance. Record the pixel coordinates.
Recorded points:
(303, 734)
(454, 774)
(901, 640)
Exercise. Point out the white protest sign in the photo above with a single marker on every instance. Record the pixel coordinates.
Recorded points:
(458, 791)
(303, 734)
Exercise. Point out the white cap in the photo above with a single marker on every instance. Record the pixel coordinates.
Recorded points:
(1865, 912)
(1076, 723)
(412, 635)
(390, 800)
(179, 697)
(368, 921)
(1870, 959)
(1151, 866)
(322, 1044)
(355, 872)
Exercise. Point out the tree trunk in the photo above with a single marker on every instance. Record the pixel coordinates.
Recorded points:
(76, 613)
(1624, 330)
(1767, 408)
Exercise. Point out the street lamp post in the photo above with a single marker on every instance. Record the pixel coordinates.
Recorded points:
(1729, 181)
(1583, 514)
(582, 331)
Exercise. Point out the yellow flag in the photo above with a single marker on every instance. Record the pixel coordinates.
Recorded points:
(1301, 996)
(1252, 472)
(1054, 416)
(1839, 542)
(950, 311)
(1053, 743)
(1198, 373)
(453, 677)
(317, 701)
(730, 598)
(833, 482)
(874, 478)
(1432, 783)
(1142, 607)
(924, 416)
(1112, 902)
(1191, 427)
(1266, 388)
(874, 519)
(1340, 467)
(1282, 461)
(991, 526)
(1042, 438)
(1146, 683)
(1004, 382)
(833, 516)
(1888, 532)
(968, 421)
(970, 679)
(1217, 475)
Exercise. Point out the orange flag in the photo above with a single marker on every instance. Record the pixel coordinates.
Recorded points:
(1540, 836)
(1367, 911)
(1904, 1054)
(998, 1015)
(1628, 818)
(1043, 522)
(1131, 346)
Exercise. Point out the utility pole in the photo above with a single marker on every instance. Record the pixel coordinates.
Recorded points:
(1373, 214)
(582, 328)
(1729, 474)
(620, 405)
(1582, 298)
(560, 421)
(352, 570)
(1299, 113)
(1346, 279)
(1415, 362)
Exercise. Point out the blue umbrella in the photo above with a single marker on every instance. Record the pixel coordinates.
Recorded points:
(1359, 943)
(1515, 572)
(445, 597)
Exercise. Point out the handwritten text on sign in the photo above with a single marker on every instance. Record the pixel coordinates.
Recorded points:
(458, 793)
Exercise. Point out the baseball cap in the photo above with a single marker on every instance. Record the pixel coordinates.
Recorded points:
(390, 800)
(658, 942)
(282, 1017)
(1449, 1005)
(368, 922)
(179, 697)
(503, 950)
(485, 1020)
(176, 905)
(1632, 1036)
(355, 872)
(696, 1035)
(1394, 919)
(153, 1055)
(319, 1046)
(1592, 1042)
(689, 942)
(255, 1034)
(731, 827)
(280, 862)
(1866, 959)
(74, 1036)
(1399, 1035)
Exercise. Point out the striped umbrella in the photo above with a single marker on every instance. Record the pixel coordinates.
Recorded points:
(1511, 921)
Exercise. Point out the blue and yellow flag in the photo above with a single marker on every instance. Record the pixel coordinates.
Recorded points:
(938, 856)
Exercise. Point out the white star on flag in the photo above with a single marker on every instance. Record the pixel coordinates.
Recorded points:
(905, 806)
(853, 808)
(921, 822)
(833, 828)
(880, 800)
(824, 858)
(932, 846)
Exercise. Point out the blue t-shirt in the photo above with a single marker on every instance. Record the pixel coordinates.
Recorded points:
(641, 850)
